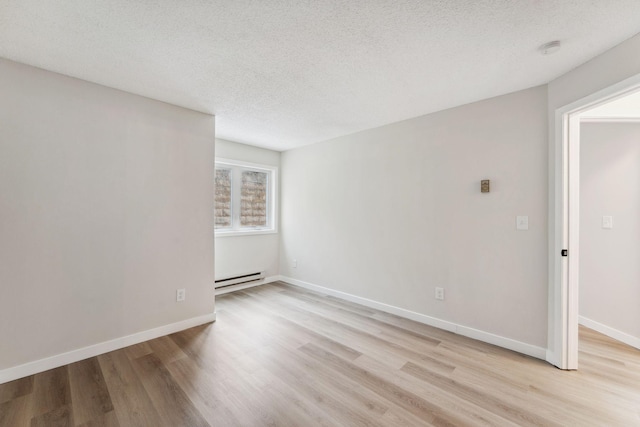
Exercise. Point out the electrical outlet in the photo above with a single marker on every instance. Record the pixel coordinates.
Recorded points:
(294, 263)
(181, 295)
(607, 222)
(440, 294)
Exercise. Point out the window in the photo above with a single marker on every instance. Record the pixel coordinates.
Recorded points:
(245, 198)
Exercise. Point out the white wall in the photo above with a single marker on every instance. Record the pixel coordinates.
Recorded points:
(613, 66)
(389, 213)
(610, 185)
(246, 254)
(105, 210)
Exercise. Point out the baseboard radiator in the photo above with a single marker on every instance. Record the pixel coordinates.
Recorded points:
(240, 280)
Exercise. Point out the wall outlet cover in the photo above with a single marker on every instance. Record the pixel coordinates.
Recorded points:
(522, 222)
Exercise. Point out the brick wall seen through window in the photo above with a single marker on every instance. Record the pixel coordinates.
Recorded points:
(223, 199)
(253, 199)
(245, 198)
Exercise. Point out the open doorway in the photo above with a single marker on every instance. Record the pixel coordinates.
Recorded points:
(610, 224)
(565, 243)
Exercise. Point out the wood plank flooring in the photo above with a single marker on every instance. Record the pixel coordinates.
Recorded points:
(282, 356)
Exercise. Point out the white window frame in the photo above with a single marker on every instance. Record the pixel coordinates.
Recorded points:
(237, 166)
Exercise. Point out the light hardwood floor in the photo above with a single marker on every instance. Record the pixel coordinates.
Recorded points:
(282, 356)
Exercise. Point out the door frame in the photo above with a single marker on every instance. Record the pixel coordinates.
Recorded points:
(564, 222)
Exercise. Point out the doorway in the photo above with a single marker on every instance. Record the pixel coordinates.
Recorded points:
(564, 232)
(610, 221)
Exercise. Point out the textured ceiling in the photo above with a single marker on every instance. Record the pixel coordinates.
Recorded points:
(281, 74)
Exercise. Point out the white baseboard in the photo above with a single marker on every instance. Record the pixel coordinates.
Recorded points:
(241, 286)
(422, 318)
(58, 360)
(610, 332)
(508, 343)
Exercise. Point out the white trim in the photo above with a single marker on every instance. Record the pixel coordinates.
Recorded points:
(557, 241)
(603, 119)
(234, 162)
(508, 343)
(226, 290)
(500, 341)
(574, 239)
(72, 356)
(610, 332)
(238, 233)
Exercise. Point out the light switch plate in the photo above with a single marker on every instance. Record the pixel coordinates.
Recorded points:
(522, 222)
(607, 222)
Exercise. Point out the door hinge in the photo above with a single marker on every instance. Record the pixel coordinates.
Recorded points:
(565, 252)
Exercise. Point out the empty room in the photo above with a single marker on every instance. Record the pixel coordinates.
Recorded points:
(329, 213)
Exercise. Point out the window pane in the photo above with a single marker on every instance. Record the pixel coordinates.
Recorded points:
(223, 199)
(253, 199)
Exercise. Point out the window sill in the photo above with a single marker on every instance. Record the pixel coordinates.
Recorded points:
(236, 233)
